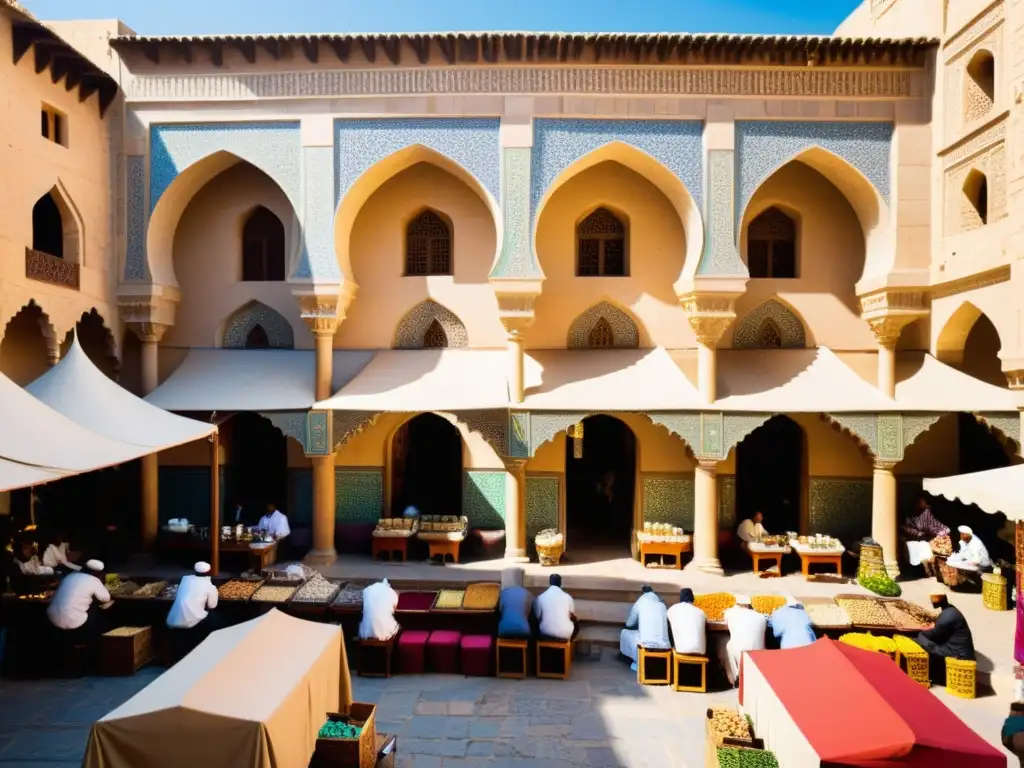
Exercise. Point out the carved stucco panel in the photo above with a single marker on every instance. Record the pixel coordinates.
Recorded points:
(624, 329)
(413, 327)
(685, 426)
(791, 330)
(517, 257)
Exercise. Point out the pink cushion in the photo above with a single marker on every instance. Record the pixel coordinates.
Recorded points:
(477, 642)
(413, 637)
(444, 637)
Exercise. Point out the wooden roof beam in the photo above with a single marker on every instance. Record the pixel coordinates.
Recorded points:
(246, 47)
(216, 49)
(272, 46)
(420, 45)
(311, 47)
(392, 45)
(448, 46)
(342, 48)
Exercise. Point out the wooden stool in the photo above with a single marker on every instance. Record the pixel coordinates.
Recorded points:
(961, 677)
(374, 649)
(395, 546)
(682, 661)
(660, 670)
(563, 649)
(514, 659)
(444, 549)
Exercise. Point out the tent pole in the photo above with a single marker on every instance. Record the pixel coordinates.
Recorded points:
(215, 503)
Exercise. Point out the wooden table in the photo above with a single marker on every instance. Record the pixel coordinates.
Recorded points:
(773, 556)
(807, 559)
(661, 548)
(182, 542)
(442, 547)
(393, 545)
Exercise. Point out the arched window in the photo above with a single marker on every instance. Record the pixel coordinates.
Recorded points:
(980, 86)
(435, 337)
(974, 211)
(47, 227)
(601, 335)
(769, 338)
(428, 246)
(601, 245)
(771, 245)
(257, 338)
(263, 247)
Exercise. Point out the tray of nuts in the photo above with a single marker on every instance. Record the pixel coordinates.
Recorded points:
(273, 593)
(350, 597)
(238, 589)
(317, 591)
(170, 592)
(865, 612)
(482, 596)
(146, 591)
(908, 617)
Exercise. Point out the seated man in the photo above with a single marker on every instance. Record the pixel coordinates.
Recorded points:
(379, 604)
(920, 531)
(28, 562)
(688, 624)
(751, 530)
(1013, 731)
(972, 555)
(647, 624)
(514, 606)
(274, 522)
(71, 609)
(950, 637)
(746, 633)
(555, 611)
(192, 605)
(792, 626)
(56, 556)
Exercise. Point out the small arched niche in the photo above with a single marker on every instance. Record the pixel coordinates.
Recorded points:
(771, 325)
(429, 325)
(428, 245)
(772, 245)
(974, 209)
(979, 85)
(55, 228)
(257, 326)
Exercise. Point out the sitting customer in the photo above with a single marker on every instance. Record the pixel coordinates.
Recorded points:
(195, 599)
(950, 637)
(688, 624)
(56, 556)
(514, 606)
(792, 626)
(556, 612)
(746, 633)
(71, 609)
(379, 604)
(647, 625)
(28, 562)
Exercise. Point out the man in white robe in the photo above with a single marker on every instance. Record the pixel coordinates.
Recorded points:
(274, 522)
(746, 633)
(647, 624)
(751, 530)
(689, 626)
(379, 604)
(972, 555)
(195, 599)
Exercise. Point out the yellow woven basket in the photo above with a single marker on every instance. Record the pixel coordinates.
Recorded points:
(993, 591)
(961, 678)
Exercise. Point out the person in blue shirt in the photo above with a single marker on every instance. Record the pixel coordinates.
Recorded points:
(514, 606)
(792, 626)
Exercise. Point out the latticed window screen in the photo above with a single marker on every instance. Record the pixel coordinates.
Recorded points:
(601, 245)
(428, 246)
(601, 335)
(435, 337)
(769, 337)
(771, 245)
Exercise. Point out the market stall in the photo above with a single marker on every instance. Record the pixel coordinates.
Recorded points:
(238, 702)
(819, 550)
(896, 722)
(662, 540)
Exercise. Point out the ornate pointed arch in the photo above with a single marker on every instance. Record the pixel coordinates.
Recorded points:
(98, 341)
(949, 347)
(421, 324)
(770, 325)
(71, 230)
(595, 324)
(45, 323)
(244, 320)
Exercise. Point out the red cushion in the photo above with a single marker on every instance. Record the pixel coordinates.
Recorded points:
(444, 637)
(413, 637)
(477, 642)
(415, 601)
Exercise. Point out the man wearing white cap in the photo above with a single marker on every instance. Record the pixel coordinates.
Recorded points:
(71, 606)
(746, 633)
(195, 599)
(972, 555)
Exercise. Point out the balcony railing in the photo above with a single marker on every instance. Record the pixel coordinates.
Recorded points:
(49, 269)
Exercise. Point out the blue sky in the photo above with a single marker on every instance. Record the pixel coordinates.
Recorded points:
(178, 17)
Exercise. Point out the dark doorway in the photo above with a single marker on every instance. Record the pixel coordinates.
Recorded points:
(47, 227)
(426, 467)
(600, 485)
(258, 465)
(978, 448)
(769, 474)
(24, 354)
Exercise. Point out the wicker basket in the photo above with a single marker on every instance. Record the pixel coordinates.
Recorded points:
(961, 677)
(993, 591)
(913, 660)
(548, 554)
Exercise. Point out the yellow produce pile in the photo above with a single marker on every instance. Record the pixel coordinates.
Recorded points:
(715, 604)
(908, 647)
(450, 598)
(767, 604)
(868, 642)
(868, 612)
(727, 723)
(126, 631)
(482, 597)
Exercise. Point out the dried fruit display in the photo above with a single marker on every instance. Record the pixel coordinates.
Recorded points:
(317, 590)
(827, 615)
(349, 596)
(865, 611)
(482, 597)
(237, 589)
(942, 545)
(122, 588)
(448, 599)
(767, 604)
(170, 592)
(715, 604)
(273, 594)
(152, 589)
(126, 631)
(908, 616)
(726, 722)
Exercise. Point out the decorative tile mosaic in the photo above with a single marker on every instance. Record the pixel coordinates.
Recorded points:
(669, 500)
(135, 267)
(185, 492)
(543, 497)
(762, 147)
(413, 327)
(863, 426)
(241, 323)
(470, 142)
(1006, 424)
(318, 433)
(300, 483)
(624, 330)
(738, 425)
(558, 143)
(519, 435)
(748, 330)
(890, 436)
(544, 427)
(685, 426)
(483, 499)
(712, 429)
(358, 495)
(318, 259)
(289, 423)
(727, 501)
(839, 507)
(517, 258)
(347, 424)
(721, 256)
(491, 425)
(916, 424)
(274, 148)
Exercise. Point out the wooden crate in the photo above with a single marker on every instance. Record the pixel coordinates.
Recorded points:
(122, 655)
(349, 753)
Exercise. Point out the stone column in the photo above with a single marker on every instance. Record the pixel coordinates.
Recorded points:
(516, 377)
(710, 314)
(883, 513)
(323, 511)
(515, 510)
(324, 363)
(887, 366)
(705, 518)
(888, 311)
(150, 334)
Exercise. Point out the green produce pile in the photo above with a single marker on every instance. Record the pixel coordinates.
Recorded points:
(335, 729)
(731, 757)
(880, 584)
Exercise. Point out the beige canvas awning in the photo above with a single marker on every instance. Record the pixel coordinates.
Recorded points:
(253, 695)
(413, 380)
(994, 490)
(793, 381)
(14, 475)
(608, 380)
(251, 379)
(76, 388)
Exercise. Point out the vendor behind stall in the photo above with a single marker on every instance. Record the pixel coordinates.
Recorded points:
(950, 637)
(647, 625)
(195, 599)
(72, 610)
(751, 530)
(792, 626)
(379, 604)
(920, 530)
(746, 633)
(275, 522)
(56, 556)
(972, 555)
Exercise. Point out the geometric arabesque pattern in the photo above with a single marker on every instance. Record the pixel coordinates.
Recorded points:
(750, 330)
(413, 327)
(624, 330)
(256, 313)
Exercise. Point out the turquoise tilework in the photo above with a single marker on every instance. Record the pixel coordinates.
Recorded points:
(669, 499)
(358, 495)
(483, 498)
(300, 485)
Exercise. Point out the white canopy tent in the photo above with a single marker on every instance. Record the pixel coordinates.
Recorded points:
(994, 490)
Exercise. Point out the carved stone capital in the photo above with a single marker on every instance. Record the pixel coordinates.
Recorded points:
(515, 467)
(890, 310)
(149, 308)
(1015, 379)
(320, 313)
(885, 465)
(150, 333)
(710, 314)
(515, 302)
